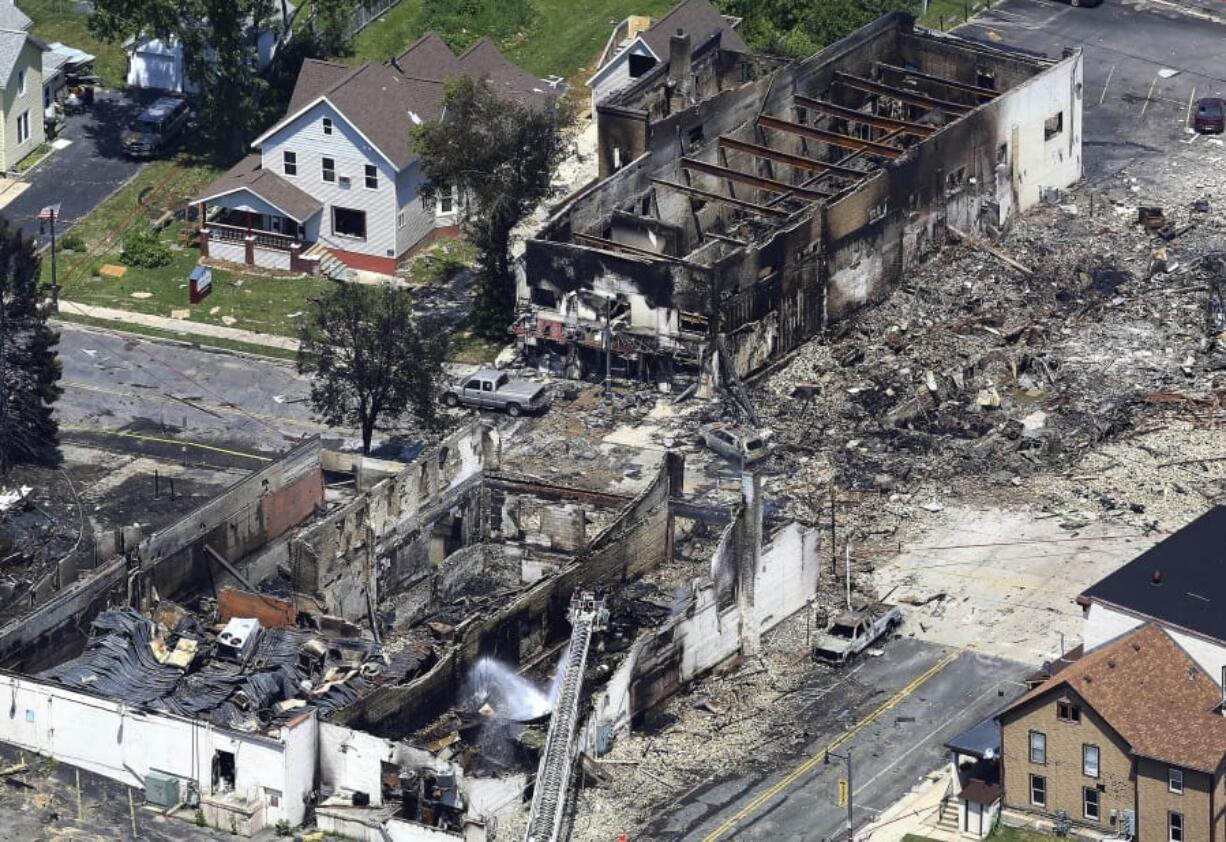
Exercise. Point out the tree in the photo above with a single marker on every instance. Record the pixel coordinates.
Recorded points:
(331, 24)
(371, 359)
(220, 43)
(501, 155)
(799, 28)
(29, 366)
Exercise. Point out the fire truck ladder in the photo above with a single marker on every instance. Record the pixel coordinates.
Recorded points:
(587, 614)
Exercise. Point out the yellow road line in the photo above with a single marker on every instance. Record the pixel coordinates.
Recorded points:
(792, 776)
(156, 440)
(201, 405)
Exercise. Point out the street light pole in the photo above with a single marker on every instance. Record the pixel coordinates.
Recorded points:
(850, 790)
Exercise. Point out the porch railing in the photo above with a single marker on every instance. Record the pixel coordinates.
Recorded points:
(264, 239)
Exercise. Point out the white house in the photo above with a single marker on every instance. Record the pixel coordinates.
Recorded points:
(21, 90)
(637, 46)
(1179, 584)
(157, 63)
(338, 172)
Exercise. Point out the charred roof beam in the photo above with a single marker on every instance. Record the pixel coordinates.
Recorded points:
(605, 244)
(707, 195)
(795, 161)
(915, 98)
(864, 118)
(758, 181)
(983, 93)
(871, 147)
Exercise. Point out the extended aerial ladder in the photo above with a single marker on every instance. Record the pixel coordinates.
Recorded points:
(587, 615)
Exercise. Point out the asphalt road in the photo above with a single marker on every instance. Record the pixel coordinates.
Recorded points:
(893, 713)
(1143, 62)
(170, 400)
(83, 174)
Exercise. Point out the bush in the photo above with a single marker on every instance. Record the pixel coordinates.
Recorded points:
(143, 248)
(71, 242)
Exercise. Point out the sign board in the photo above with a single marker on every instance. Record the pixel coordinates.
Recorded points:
(200, 284)
(842, 796)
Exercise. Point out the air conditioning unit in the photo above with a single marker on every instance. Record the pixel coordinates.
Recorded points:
(342, 180)
(162, 790)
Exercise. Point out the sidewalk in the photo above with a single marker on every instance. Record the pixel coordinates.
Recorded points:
(914, 813)
(181, 326)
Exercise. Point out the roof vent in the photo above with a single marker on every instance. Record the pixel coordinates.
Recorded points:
(1111, 663)
(1156, 578)
(1136, 647)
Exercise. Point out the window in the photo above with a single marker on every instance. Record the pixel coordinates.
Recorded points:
(372, 177)
(1068, 712)
(746, 72)
(328, 169)
(400, 219)
(985, 79)
(1174, 827)
(955, 179)
(487, 386)
(1002, 153)
(640, 64)
(327, 123)
(347, 222)
(1053, 126)
(289, 162)
(21, 83)
(447, 201)
(543, 297)
(473, 384)
(1174, 780)
(1038, 747)
(1090, 806)
(1038, 790)
(695, 137)
(273, 796)
(23, 127)
(802, 115)
(1089, 761)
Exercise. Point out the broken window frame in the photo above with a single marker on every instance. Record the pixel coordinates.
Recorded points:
(1066, 711)
(1053, 126)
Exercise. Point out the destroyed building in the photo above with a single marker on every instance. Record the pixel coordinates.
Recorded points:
(318, 642)
(747, 204)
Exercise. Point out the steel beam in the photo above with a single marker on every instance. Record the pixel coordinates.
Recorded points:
(985, 93)
(636, 251)
(871, 147)
(707, 195)
(755, 180)
(877, 122)
(797, 161)
(910, 97)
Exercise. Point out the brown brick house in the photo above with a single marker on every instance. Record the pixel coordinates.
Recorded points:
(1131, 730)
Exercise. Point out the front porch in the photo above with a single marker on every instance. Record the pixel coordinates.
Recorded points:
(253, 217)
(264, 240)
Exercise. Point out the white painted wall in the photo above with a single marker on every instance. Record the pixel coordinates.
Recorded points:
(233, 252)
(1044, 163)
(271, 258)
(305, 137)
(123, 744)
(350, 760)
(1104, 623)
(787, 578)
(419, 220)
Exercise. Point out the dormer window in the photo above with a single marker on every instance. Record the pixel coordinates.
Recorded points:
(327, 123)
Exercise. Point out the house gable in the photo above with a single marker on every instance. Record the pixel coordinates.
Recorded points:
(636, 47)
(307, 123)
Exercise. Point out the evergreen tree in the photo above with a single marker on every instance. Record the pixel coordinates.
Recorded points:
(29, 365)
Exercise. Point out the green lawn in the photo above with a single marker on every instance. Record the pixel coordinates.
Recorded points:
(565, 40)
(58, 20)
(951, 13)
(1014, 834)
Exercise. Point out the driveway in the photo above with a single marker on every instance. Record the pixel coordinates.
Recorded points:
(82, 174)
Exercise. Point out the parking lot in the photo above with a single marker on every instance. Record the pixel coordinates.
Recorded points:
(81, 174)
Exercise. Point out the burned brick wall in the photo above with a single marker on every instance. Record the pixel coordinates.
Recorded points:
(635, 542)
(177, 560)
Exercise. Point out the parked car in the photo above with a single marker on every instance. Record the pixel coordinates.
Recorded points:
(853, 631)
(489, 388)
(1210, 115)
(156, 127)
(735, 444)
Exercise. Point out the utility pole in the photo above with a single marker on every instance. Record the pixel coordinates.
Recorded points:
(608, 351)
(850, 791)
(50, 214)
(847, 570)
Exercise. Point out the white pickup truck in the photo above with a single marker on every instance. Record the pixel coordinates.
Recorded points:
(853, 631)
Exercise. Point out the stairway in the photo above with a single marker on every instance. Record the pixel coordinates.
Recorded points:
(329, 264)
(947, 818)
(557, 761)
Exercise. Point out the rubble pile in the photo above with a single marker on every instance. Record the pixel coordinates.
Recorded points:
(998, 363)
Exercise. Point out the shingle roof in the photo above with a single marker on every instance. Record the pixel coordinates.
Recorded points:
(1191, 567)
(13, 18)
(700, 20)
(12, 41)
(385, 101)
(248, 174)
(1153, 694)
